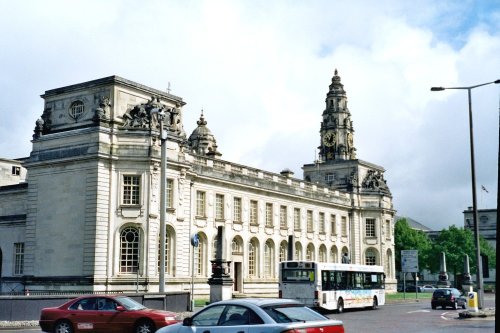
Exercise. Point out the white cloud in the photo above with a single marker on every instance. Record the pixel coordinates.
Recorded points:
(261, 70)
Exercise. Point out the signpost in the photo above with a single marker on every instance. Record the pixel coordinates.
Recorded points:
(409, 264)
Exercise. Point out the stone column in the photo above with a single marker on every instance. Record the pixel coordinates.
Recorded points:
(467, 281)
(443, 276)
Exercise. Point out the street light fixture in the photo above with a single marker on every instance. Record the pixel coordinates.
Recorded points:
(479, 271)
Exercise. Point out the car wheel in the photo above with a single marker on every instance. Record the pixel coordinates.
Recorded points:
(433, 307)
(375, 303)
(443, 307)
(144, 326)
(463, 306)
(455, 305)
(340, 305)
(63, 326)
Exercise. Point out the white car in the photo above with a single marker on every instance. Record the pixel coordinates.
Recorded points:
(262, 315)
(427, 288)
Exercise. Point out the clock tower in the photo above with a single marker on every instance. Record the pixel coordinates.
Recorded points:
(336, 128)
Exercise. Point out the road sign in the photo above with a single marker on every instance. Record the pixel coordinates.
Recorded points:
(195, 240)
(409, 261)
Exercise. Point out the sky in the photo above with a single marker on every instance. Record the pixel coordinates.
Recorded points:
(260, 70)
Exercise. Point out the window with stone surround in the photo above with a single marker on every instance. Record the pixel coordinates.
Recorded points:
(237, 210)
(170, 193)
(219, 206)
(388, 229)
(131, 190)
(310, 223)
(310, 252)
(283, 218)
(283, 251)
(370, 228)
(199, 257)
(269, 215)
(254, 215)
(253, 255)
(76, 109)
(169, 251)
(322, 253)
(269, 259)
(333, 225)
(296, 219)
(370, 257)
(321, 223)
(343, 226)
(298, 251)
(18, 258)
(201, 204)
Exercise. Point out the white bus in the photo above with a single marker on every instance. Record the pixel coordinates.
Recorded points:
(332, 286)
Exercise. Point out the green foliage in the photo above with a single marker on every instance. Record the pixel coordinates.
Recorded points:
(407, 238)
(454, 242)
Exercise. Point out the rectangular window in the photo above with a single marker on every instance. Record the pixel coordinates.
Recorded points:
(344, 226)
(16, 171)
(321, 223)
(131, 190)
(370, 228)
(170, 193)
(18, 258)
(388, 232)
(329, 177)
(333, 224)
(254, 212)
(283, 218)
(269, 215)
(201, 203)
(310, 223)
(219, 206)
(237, 210)
(296, 219)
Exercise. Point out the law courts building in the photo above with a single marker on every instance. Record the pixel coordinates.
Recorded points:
(82, 212)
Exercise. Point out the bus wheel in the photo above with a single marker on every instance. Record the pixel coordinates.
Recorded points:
(340, 305)
(375, 303)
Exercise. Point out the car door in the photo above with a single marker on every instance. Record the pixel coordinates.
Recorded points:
(83, 314)
(109, 320)
(216, 319)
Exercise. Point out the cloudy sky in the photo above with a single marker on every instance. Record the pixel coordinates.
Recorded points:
(261, 69)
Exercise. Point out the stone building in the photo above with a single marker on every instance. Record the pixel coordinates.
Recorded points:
(88, 216)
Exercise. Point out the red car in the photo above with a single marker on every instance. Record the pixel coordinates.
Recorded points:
(106, 314)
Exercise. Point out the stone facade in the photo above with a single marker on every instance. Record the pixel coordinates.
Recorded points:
(89, 219)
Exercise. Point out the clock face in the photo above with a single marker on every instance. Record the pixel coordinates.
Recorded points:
(329, 139)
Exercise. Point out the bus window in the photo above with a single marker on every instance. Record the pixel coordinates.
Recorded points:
(291, 275)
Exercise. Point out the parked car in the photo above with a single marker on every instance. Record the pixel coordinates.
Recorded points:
(104, 313)
(427, 288)
(412, 288)
(448, 297)
(256, 315)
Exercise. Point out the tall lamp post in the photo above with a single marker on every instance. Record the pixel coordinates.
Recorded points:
(479, 271)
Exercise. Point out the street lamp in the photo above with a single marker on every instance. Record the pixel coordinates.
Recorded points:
(163, 194)
(479, 271)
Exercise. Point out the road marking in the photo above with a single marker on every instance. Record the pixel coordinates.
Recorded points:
(418, 311)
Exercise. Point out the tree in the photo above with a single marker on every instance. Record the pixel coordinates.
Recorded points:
(407, 238)
(455, 243)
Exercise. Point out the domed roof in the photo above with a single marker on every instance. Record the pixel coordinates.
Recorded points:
(202, 141)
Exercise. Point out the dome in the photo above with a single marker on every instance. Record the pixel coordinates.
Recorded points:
(202, 141)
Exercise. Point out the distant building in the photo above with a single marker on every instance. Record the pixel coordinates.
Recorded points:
(487, 226)
(87, 218)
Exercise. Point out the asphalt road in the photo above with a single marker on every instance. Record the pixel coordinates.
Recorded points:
(408, 317)
(415, 317)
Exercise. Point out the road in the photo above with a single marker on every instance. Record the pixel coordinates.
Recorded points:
(415, 317)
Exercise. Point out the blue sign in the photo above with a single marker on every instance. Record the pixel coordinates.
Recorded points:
(195, 240)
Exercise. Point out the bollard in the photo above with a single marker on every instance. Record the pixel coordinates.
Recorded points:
(472, 301)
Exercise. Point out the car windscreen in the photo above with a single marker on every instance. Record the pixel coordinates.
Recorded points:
(294, 313)
(129, 303)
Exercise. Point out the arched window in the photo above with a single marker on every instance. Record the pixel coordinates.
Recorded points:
(253, 255)
(129, 250)
(310, 252)
(334, 254)
(298, 251)
(237, 245)
(370, 257)
(214, 248)
(322, 253)
(283, 251)
(269, 258)
(169, 251)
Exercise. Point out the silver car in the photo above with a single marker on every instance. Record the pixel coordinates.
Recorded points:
(262, 315)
